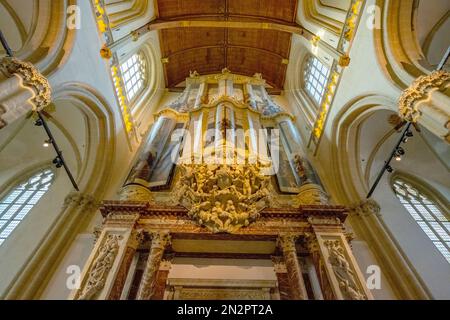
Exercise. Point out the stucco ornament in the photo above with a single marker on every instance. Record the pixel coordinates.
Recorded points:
(223, 198)
(31, 78)
(419, 91)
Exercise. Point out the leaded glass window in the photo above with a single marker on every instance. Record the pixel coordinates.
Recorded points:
(431, 218)
(20, 200)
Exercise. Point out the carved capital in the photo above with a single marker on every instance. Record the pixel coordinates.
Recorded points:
(136, 238)
(161, 240)
(366, 208)
(286, 242)
(31, 78)
(311, 242)
(80, 200)
(419, 91)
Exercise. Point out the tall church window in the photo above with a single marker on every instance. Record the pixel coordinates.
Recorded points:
(315, 77)
(431, 218)
(133, 74)
(21, 199)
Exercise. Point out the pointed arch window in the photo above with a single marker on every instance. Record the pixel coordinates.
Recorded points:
(21, 199)
(315, 79)
(431, 218)
(133, 74)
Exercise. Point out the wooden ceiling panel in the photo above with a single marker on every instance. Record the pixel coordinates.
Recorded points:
(203, 60)
(181, 39)
(209, 50)
(270, 40)
(170, 9)
(245, 61)
(281, 10)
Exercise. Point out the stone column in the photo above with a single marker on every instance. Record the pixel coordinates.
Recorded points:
(22, 89)
(160, 240)
(102, 276)
(161, 278)
(336, 267)
(286, 242)
(284, 289)
(134, 241)
(426, 103)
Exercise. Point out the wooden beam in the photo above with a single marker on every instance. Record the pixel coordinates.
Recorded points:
(160, 25)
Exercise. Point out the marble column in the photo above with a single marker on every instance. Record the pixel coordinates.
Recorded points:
(284, 288)
(160, 240)
(133, 243)
(286, 242)
(22, 89)
(161, 278)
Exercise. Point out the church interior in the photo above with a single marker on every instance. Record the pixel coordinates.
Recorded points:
(224, 150)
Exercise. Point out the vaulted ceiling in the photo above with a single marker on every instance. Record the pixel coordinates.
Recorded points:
(209, 49)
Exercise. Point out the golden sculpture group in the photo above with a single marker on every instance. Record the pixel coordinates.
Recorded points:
(224, 198)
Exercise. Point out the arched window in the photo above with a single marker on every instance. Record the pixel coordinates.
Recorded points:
(427, 213)
(133, 74)
(21, 199)
(315, 77)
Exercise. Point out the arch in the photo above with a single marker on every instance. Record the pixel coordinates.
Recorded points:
(123, 11)
(95, 171)
(327, 14)
(351, 182)
(399, 49)
(45, 39)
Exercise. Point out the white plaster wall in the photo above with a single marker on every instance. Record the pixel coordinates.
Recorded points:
(232, 269)
(21, 149)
